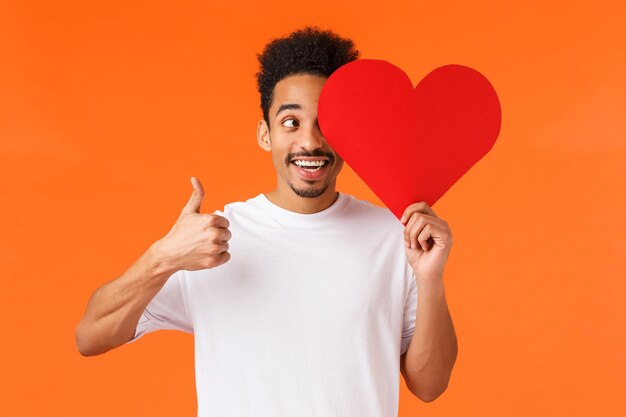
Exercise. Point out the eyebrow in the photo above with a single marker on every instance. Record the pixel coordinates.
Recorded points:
(289, 106)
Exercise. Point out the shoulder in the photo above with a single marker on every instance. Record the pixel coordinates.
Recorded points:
(237, 210)
(363, 210)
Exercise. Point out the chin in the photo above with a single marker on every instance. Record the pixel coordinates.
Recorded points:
(309, 192)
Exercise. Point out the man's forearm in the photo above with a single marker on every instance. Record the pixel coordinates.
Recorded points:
(433, 348)
(114, 309)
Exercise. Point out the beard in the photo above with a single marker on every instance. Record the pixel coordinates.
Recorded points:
(309, 192)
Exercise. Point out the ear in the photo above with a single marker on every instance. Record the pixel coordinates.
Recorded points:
(263, 136)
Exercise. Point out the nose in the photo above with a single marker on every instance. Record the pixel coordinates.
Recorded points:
(312, 137)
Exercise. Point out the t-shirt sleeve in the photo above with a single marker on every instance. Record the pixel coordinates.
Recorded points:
(166, 311)
(410, 310)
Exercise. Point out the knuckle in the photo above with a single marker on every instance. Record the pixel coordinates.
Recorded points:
(221, 219)
(222, 258)
(207, 221)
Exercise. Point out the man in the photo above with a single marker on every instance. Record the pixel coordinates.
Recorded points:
(316, 313)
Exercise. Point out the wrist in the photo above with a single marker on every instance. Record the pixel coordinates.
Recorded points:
(432, 284)
(156, 261)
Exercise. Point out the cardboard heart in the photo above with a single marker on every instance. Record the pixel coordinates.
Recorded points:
(408, 145)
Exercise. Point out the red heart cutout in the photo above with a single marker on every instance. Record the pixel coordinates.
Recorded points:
(408, 145)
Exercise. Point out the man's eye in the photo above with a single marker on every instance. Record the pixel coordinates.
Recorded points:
(290, 123)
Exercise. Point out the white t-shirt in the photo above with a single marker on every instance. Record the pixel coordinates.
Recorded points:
(308, 318)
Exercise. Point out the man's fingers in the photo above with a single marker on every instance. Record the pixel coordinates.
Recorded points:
(407, 230)
(222, 258)
(424, 219)
(415, 226)
(216, 220)
(222, 247)
(195, 201)
(424, 236)
(224, 234)
(421, 207)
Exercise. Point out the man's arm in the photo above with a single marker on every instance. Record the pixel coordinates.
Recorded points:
(115, 308)
(196, 241)
(427, 364)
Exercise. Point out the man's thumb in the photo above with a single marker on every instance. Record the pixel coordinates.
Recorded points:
(195, 201)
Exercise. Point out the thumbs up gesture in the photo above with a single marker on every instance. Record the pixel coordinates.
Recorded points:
(197, 240)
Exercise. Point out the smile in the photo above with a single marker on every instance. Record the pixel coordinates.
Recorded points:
(310, 165)
(310, 168)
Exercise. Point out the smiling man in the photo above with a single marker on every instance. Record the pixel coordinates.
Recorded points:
(303, 301)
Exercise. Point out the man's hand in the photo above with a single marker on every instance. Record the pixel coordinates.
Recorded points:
(427, 239)
(196, 241)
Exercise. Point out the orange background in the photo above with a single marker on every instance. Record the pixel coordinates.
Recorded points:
(107, 109)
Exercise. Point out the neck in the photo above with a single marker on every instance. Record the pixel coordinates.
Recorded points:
(286, 198)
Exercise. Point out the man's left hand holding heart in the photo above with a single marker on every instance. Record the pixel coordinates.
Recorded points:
(428, 241)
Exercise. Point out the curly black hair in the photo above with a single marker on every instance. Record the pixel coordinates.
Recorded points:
(310, 50)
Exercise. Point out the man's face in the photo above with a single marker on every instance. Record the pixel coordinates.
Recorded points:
(303, 160)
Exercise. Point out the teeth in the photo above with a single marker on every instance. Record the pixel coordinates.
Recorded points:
(301, 163)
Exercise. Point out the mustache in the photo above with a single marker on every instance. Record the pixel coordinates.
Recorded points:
(315, 153)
